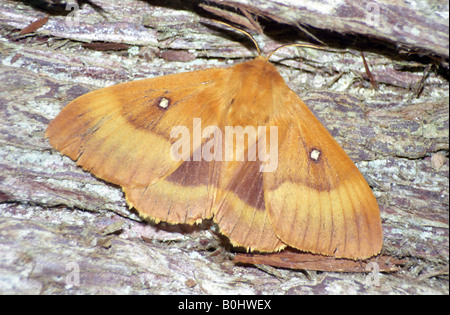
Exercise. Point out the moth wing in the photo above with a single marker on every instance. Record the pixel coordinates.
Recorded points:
(317, 199)
(240, 209)
(122, 133)
(185, 196)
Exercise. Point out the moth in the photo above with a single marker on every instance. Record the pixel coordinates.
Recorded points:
(146, 136)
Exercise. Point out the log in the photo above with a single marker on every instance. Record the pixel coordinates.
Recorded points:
(65, 232)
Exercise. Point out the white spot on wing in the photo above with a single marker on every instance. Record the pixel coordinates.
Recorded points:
(164, 103)
(315, 155)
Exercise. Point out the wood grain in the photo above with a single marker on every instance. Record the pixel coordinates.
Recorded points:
(52, 213)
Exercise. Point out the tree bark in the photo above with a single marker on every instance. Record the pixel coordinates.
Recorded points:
(53, 215)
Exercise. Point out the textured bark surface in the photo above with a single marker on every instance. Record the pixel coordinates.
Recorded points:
(53, 215)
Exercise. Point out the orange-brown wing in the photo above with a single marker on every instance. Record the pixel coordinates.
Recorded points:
(240, 208)
(122, 135)
(317, 199)
(185, 196)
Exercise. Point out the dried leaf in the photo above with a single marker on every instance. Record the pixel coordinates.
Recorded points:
(34, 26)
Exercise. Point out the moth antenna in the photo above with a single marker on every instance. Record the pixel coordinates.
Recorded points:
(246, 33)
(297, 45)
